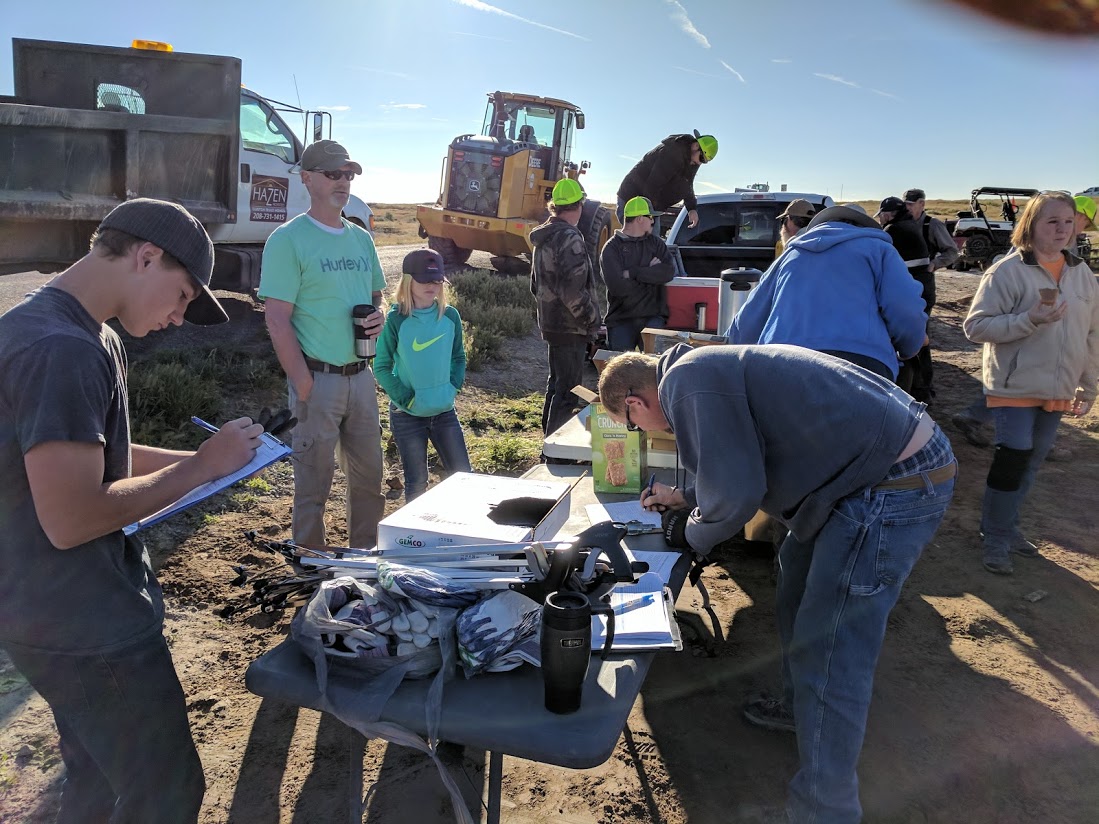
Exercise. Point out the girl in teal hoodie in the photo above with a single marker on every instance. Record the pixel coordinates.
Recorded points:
(421, 365)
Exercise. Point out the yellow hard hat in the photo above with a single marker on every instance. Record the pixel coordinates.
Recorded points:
(707, 145)
(1087, 207)
(566, 192)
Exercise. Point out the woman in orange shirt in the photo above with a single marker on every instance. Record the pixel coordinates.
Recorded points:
(1037, 314)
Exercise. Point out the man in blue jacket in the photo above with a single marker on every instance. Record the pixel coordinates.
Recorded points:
(839, 288)
(859, 473)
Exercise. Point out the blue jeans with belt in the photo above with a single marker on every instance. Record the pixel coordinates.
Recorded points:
(412, 432)
(122, 717)
(835, 593)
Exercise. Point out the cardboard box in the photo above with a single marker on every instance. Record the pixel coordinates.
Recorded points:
(617, 455)
(456, 512)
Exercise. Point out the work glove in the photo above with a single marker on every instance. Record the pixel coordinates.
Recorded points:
(276, 423)
(674, 524)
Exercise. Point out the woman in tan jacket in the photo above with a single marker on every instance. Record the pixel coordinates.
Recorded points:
(1037, 314)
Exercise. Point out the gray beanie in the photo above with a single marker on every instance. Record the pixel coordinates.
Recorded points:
(177, 232)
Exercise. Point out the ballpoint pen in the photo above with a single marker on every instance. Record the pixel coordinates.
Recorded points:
(652, 481)
(209, 427)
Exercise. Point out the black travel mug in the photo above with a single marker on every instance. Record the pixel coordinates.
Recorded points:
(364, 344)
(566, 649)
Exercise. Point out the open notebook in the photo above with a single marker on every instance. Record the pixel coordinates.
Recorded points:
(270, 450)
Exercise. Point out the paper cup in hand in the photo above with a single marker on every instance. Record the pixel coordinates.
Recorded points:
(1049, 296)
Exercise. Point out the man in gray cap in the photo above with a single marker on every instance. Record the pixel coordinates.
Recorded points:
(317, 268)
(792, 222)
(81, 613)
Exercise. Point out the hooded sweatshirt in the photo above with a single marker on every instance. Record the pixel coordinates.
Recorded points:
(421, 359)
(751, 437)
(837, 287)
(634, 288)
(665, 175)
(563, 283)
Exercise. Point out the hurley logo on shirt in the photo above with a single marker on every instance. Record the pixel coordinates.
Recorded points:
(345, 264)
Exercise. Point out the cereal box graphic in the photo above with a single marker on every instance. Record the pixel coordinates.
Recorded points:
(617, 455)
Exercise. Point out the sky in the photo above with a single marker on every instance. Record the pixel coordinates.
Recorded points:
(856, 99)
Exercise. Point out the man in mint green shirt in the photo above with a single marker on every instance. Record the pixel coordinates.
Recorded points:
(316, 268)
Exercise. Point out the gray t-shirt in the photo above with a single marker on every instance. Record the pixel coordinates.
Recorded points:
(63, 378)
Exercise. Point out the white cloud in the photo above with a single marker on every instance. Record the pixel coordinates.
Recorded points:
(679, 15)
(835, 78)
(629, 158)
(477, 5)
(695, 71)
(713, 186)
(390, 106)
(334, 108)
(739, 76)
(781, 60)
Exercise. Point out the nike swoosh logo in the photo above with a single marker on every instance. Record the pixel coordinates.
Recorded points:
(420, 347)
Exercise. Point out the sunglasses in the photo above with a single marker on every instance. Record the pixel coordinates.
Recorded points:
(345, 174)
(630, 425)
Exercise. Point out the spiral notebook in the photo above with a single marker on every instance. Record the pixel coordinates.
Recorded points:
(271, 449)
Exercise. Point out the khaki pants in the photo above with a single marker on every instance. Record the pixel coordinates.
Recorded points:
(340, 420)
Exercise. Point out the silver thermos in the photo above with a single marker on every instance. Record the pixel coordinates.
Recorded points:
(364, 345)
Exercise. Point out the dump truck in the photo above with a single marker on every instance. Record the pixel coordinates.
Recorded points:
(89, 127)
(495, 186)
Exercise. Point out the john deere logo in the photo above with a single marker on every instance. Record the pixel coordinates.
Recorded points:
(475, 185)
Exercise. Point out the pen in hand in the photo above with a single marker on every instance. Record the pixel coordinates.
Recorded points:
(649, 493)
(209, 427)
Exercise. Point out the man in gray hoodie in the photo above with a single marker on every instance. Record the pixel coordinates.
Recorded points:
(855, 469)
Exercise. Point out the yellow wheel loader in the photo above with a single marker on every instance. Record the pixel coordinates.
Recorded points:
(495, 186)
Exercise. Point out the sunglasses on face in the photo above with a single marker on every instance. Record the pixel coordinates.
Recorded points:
(345, 174)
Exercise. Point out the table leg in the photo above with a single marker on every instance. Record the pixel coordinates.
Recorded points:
(495, 779)
(356, 749)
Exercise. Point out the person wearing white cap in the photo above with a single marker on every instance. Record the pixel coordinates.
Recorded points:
(81, 612)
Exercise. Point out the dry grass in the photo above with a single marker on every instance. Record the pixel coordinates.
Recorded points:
(395, 224)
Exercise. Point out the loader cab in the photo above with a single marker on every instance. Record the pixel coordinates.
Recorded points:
(543, 125)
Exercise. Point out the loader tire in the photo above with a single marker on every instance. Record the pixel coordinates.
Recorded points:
(597, 234)
(452, 253)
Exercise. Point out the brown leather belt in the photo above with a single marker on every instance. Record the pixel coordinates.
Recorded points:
(353, 368)
(935, 476)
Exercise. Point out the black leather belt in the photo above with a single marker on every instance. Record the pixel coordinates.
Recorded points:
(348, 369)
(936, 476)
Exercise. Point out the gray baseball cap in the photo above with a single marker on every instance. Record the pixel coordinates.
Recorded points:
(327, 156)
(177, 232)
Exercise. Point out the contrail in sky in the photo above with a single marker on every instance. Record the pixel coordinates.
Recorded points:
(739, 76)
(477, 5)
(685, 24)
(835, 78)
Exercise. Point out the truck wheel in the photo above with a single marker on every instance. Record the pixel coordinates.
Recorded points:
(597, 236)
(978, 247)
(510, 265)
(453, 254)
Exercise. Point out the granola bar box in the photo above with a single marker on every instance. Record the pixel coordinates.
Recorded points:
(617, 455)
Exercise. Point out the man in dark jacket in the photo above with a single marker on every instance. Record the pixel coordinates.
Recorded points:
(666, 174)
(636, 265)
(907, 237)
(563, 283)
(858, 472)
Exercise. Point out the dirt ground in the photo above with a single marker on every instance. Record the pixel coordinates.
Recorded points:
(986, 703)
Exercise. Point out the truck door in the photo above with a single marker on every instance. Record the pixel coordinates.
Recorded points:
(270, 193)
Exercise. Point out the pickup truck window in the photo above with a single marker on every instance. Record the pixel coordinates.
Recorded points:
(112, 97)
(261, 130)
(733, 224)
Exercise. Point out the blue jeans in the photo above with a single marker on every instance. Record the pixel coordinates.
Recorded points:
(566, 370)
(412, 433)
(1026, 427)
(122, 718)
(835, 593)
(625, 336)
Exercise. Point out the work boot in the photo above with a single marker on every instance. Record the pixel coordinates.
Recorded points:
(999, 511)
(971, 428)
